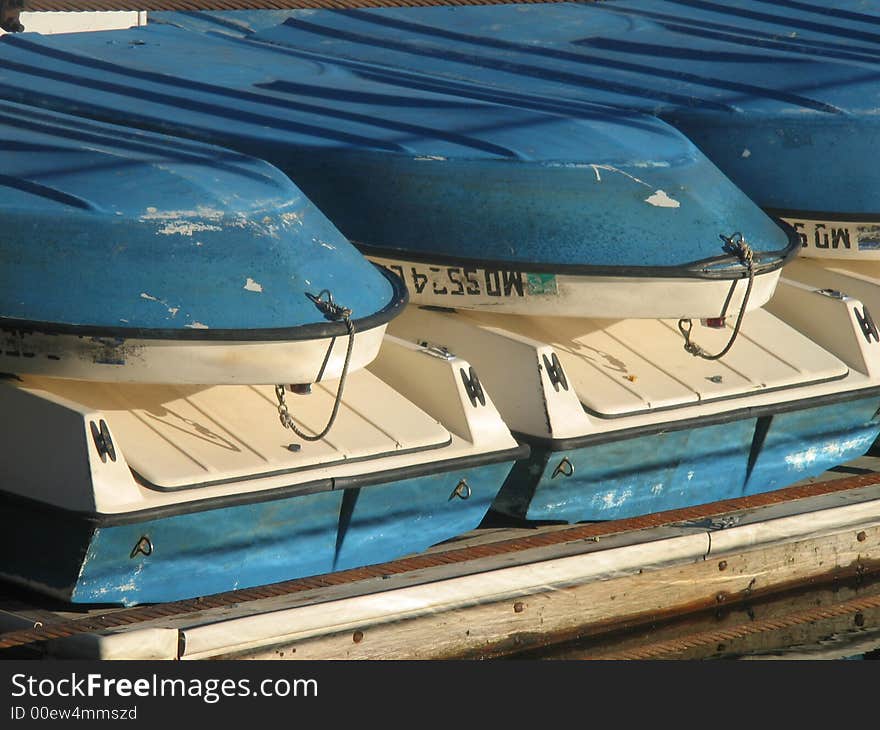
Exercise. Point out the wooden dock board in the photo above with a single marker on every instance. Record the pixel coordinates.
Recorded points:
(498, 590)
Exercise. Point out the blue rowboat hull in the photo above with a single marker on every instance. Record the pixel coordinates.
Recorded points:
(148, 559)
(137, 257)
(163, 238)
(774, 95)
(412, 170)
(673, 469)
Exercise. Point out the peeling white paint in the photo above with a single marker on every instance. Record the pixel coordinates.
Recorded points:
(568, 164)
(657, 488)
(746, 152)
(292, 218)
(690, 475)
(251, 285)
(173, 311)
(144, 295)
(661, 200)
(428, 158)
(800, 460)
(197, 326)
(327, 245)
(172, 215)
(611, 168)
(612, 500)
(186, 228)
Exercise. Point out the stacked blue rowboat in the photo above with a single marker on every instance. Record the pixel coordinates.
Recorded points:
(775, 94)
(623, 305)
(154, 290)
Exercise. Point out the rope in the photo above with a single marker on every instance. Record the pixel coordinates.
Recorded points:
(334, 312)
(736, 245)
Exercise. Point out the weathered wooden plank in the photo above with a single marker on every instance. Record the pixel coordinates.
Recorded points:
(516, 621)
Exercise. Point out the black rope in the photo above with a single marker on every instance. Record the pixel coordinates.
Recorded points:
(335, 312)
(736, 245)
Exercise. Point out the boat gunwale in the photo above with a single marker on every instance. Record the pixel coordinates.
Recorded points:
(821, 215)
(705, 269)
(712, 419)
(326, 484)
(311, 331)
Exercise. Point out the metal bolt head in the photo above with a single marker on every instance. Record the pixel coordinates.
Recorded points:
(518, 607)
(861, 537)
(722, 565)
(358, 636)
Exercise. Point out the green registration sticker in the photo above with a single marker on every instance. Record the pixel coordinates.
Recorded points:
(541, 283)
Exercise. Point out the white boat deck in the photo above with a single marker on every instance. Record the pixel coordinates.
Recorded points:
(620, 367)
(179, 436)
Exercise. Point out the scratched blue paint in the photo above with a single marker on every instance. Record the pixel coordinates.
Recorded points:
(676, 469)
(408, 166)
(154, 232)
(804, 443)
(775, 93)
(245, 545)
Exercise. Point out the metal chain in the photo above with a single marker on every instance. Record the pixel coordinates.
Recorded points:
(736, 245)
(334, 312)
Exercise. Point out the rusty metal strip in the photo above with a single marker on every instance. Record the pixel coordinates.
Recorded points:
(453, 555)
(132, 5)
(717, 636)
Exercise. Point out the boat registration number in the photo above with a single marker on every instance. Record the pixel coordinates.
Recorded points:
(837, 236)
(466, 281)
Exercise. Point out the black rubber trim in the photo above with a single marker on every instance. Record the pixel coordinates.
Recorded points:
(726, 267)
(99, 520)
(820, 216)
(739, 414)
(317, 330)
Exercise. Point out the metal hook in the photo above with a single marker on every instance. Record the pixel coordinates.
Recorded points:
(462, 490)
(564, 467)
(144, 547)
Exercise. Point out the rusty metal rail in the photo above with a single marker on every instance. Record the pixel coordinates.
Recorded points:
(131, 5)
(118, 618)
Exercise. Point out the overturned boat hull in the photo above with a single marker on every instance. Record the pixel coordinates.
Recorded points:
(774, 96)
(136, 257)
(430, 180)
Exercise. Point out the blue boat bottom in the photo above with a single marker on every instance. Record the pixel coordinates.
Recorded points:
(215, 550)
(675, 469)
